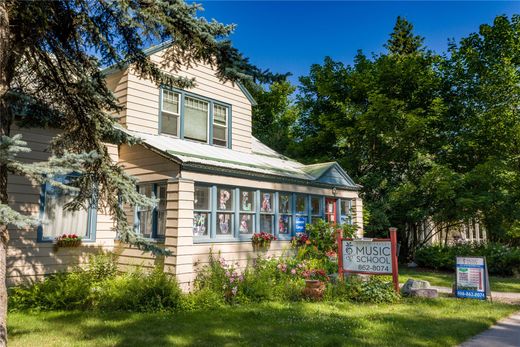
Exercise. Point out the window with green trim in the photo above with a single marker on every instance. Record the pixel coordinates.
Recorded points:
(57, 220)
(193, 117)
(151, 220)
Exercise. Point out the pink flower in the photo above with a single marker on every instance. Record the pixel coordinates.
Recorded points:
(293, 271)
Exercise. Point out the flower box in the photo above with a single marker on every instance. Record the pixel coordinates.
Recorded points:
(262, 241)
(67, 240)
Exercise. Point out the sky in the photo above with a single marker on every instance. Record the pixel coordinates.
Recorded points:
(290, 36)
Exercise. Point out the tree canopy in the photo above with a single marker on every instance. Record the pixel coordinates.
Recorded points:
(429, 136)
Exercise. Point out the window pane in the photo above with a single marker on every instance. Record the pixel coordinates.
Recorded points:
(301, 204)
(169, 124)
(225, 199)
(170, 102)
(224, 223)
(315, 205)
(284, 224)
(161, 210)
(202, 198)
(200, 223)
(57, 221)
(219, 133)
(266, 223)
(220, 115)
(247, 223)
(266, 203)
(196, 119)
(247, 200)
(285, 203)
(346, 211)
(145, 212)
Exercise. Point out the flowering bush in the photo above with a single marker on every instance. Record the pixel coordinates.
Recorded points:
(300, 240)
(68, 240)
(262, 239)
(316, 275)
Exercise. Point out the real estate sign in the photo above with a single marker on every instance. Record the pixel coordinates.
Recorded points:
(472, 278)
(367, 256)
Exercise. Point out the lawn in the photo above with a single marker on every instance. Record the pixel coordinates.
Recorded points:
(414, 322)
(445, 279)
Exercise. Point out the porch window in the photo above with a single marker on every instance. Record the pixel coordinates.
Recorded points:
(345, 210)
(57, 221)
(316, 208)
(247, 211)
(170, 112)
(151, 220)
(225, 211)
(267, 212)
(301, 213)
(202, 211)
(284, 213)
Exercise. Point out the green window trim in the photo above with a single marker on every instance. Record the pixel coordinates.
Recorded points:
(154, 234)
(211, 140)
(91, 217)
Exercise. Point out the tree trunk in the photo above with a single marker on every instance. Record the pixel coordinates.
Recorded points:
(5, 125)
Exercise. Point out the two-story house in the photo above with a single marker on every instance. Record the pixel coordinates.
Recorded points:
(216, 183)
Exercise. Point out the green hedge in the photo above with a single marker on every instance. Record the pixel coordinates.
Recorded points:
(502, 260)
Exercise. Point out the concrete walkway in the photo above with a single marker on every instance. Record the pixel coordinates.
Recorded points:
(506, 333)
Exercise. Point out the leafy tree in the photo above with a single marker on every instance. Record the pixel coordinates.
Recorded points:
(51, 55)
(481, 128)
(274, 114)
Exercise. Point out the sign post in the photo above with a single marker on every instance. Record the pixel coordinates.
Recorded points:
(369, 256)
(472, 279)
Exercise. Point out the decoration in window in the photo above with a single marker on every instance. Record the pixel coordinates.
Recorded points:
(266, 202)
(225, 199)
(224, 223)
(301, 204)
(284, 224)
(246, 223)
(247, 200)
(285, 203)
(200, 224)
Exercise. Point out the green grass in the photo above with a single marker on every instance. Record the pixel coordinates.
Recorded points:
(445, 279)
(414, 322)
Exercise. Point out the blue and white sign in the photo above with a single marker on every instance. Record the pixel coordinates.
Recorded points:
(300, 224)
(472, 279)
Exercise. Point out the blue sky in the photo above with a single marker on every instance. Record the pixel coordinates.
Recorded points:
(289, 36)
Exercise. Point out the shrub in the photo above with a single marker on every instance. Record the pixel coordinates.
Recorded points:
(141, 292)
(501, 259)
(366, 290)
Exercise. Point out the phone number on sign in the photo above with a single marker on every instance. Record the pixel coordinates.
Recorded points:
(374, 268)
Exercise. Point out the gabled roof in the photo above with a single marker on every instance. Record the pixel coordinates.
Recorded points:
(263, 162)
(157, 48)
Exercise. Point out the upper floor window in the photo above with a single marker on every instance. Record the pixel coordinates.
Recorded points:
(170, 113)
(195, 118)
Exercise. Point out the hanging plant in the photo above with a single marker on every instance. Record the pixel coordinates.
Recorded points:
(262, 240)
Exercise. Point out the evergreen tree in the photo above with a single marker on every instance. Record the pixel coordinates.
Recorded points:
(51, 55)
(402, 39)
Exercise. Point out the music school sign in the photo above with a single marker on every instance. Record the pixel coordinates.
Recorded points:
(369, 256)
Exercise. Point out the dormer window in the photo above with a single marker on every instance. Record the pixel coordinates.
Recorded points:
(195, 118)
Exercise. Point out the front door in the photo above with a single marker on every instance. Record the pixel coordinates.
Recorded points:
(330, 210)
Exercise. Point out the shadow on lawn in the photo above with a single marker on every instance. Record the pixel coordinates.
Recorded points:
(268, 324)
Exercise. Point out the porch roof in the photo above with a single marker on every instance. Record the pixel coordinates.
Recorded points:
(262, 161)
